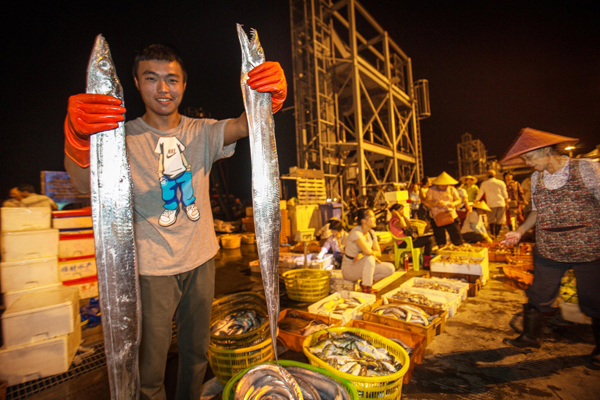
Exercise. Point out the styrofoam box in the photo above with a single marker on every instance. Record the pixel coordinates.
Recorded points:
(396, 197)
(337, 283)
(40, 315)
(571, 312)
(28, 274)
(76, 245)
(86, 287)
(348, 315)
(27, 245)
(462, 287)
(481, 252)
(478, 266)
(449, 302)
(39, 360)
(76, 268)
(10, 297)
(24, 218)
(72, 219)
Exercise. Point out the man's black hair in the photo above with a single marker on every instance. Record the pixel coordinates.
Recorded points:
(158, 52)
(26, 187)
(335, 225)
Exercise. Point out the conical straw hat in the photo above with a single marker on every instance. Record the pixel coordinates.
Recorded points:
(529, 140)
(481, 204)
(444, 179)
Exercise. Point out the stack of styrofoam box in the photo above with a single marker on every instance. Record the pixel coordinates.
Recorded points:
(40, 326)
(399, 196)
(76, 261)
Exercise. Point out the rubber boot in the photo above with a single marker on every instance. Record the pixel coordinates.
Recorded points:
(533, 328)
(593, 361)
(426, 262)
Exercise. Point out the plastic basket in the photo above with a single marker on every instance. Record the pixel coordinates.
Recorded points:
(293, 341)
(420, 225)
(306, 285)
(379, 387)
(226, 363)
(229, 390)
(414, 340)
(240, 301)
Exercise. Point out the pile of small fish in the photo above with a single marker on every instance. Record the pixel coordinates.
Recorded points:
(269, 381)
(352, 354)
(416, 298)
(435, 286)
(341, 305)
(453, 259)
(465, 248)
(237, 323)
(405, 312)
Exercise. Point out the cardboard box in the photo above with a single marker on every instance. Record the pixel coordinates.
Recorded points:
(76, 268)
(40, 315)
(14, 219)
(28, 274)
(27, 245)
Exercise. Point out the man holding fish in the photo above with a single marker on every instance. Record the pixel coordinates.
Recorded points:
(170, 157)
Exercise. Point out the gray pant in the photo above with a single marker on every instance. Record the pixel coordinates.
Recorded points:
(366, 269)
(189, 297)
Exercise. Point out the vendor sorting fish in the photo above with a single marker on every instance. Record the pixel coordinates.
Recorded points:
(355, 355)
(267, 381)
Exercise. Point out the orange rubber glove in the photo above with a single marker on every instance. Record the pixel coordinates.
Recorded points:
(269, 77)
(88, 114)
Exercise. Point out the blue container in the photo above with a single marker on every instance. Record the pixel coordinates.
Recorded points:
(330, 210)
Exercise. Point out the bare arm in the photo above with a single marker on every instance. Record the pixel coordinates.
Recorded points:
(236, 129)
(513, 237)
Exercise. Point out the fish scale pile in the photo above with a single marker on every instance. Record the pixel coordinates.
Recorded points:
(405, 312)
(238, 323)
(269, 381)
(416, 298)
(352, 354)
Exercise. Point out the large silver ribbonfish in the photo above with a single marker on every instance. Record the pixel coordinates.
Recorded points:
(112, 215)
(265, 176)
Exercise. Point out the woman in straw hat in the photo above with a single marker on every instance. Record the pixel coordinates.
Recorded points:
(471, 187)
(442, 199)
(473, 229)
(566, 213)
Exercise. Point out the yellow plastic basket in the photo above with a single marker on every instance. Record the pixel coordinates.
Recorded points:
(307, 285)
(227, 363)
(229, 391)
(380, 387)
(240, 301)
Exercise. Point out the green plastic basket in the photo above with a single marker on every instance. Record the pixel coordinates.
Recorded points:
(386, 387)
(240, 301)
(307, 285)
(229, 391)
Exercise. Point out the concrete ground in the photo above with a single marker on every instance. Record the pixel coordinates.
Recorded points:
(467, 361)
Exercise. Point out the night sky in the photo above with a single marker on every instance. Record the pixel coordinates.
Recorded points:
(493, 68)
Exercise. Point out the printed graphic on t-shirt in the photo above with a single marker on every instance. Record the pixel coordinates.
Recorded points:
(175, 176)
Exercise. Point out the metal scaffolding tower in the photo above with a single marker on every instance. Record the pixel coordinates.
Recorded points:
(472, 156)
(357, 111)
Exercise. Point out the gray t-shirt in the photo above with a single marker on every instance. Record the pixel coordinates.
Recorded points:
(195, 144)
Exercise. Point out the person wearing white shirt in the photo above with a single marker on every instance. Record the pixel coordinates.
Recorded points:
(496, 197)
